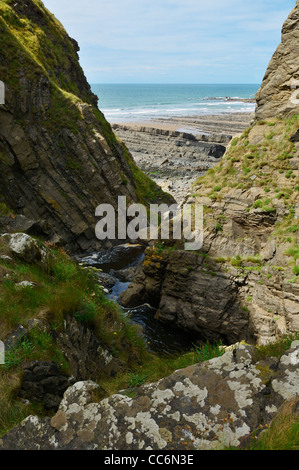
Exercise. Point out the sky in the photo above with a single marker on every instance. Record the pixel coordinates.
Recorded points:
(174, 41)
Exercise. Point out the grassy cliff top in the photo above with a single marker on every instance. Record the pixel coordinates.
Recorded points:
(263, 156)
(50, 104)
(33, 42)
(257, 180)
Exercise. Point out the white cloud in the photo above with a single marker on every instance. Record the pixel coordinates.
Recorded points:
(166, 35)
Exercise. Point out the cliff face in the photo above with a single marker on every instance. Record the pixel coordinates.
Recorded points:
(279, 93)
(59, 158)
(243, 284)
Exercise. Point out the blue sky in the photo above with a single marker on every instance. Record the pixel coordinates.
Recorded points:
(174, 41)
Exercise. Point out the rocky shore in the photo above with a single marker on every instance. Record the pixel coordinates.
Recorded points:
(174, 152)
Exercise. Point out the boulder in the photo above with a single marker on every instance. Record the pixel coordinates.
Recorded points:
(28, 249)
(208, 406)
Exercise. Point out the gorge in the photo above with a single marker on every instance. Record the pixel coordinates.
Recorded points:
(77, 375)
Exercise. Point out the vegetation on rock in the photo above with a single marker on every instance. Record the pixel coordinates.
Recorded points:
(70, 160)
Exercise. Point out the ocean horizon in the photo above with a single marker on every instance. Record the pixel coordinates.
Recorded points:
(144, 102)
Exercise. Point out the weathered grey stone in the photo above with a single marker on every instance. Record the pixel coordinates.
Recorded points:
(86, 357)
(206, 406)
(43, 382)
(173, 159)
(28, 249)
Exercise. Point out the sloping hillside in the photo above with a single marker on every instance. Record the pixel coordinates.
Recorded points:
(59, 158)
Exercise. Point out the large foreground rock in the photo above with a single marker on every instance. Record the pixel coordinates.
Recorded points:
(207, 406)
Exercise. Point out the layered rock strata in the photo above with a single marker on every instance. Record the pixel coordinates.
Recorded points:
(243, 283)
(59, 158)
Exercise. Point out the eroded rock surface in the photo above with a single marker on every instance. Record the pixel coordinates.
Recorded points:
(206, 406)
(279, 92)
(59, 158)
(27, 249)
(192, 294)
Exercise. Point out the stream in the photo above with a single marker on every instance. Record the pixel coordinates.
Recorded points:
(117, 269)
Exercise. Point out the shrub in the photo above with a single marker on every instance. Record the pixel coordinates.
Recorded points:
(208, 351)
(258, 203)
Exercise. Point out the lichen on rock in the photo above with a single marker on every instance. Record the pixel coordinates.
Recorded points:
(210, 405)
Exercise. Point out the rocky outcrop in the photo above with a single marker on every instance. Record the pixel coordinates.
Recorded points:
(173, 159)
(59, 158)
(213, 404)
(192, 293)
(86, 356)
(279, 93)
(78, 351)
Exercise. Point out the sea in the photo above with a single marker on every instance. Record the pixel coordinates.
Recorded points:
(122, 103)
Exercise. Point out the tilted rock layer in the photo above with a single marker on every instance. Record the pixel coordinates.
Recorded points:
(59, 158)
(279, 93)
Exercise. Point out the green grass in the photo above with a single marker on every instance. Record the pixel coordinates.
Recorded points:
(4, 210)
(243, 160)
(37, 345)
(63, 289)
(277, 348)
(35, 47)
(207, 351)
(283, 433)
(60, 289)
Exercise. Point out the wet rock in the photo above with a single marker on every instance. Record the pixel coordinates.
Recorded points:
(106, 280)
(127, 274)
(165, 154)
(191, 294)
